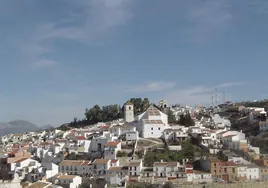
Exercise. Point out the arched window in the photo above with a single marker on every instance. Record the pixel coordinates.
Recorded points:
(129, 107)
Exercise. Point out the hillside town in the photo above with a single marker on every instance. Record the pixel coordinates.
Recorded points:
(142, 150)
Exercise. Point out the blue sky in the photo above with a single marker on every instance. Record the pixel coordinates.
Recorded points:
(59, 57)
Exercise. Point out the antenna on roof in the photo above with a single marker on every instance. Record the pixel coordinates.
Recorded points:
(212, 100)
(216, 96)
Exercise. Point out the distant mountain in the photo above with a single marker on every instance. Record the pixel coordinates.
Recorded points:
(17, 126)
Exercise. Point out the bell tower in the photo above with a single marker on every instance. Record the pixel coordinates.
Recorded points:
(128, 112)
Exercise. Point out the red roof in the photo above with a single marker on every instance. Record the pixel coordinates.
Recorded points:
(114, 161)
(231, 163)
(188, 166)
(112, 144)
(81, 138)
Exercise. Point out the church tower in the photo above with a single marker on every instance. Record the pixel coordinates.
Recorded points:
(128, 112)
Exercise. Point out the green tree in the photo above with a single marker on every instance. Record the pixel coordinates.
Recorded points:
(182, 120)
(121, 154)
(186, 120)
(177, 156)
(171, 116)
(188, 150)
(140, 105)
(168, 185)
(94, 115)
(145, 104)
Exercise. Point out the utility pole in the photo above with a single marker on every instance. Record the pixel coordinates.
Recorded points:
(212, 103)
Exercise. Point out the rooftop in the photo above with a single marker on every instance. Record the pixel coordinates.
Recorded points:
(165, 164)
(81, 138)
(153, 111)
(73, 163)
(152, 121)
(101, 161)
(112, 144)
(39, 184)
(66, 177)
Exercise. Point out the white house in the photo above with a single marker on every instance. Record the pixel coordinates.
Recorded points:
(132, 136)
(229, 136)
(252, 172)
(111, 149)
(168, 169)
(69, 181)
(125, 129)
(199, 177)
(135, 167)
(25, 162)
(75, 167)
(220, 122)
(98, 144)
(101, 166)
(117, 175)
(242, 171)
(51, 169)
(151, 123)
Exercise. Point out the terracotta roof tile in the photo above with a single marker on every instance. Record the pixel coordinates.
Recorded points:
(72, 163)
(81, 138)
(112, 144)
(66, 177)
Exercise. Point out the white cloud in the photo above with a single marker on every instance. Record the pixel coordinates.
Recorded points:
(209, 17)
(230, 84)
(95, 20)
(197, 94)
(153, 86)
(86, 21)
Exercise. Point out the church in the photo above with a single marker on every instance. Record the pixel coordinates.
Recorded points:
(149, 124)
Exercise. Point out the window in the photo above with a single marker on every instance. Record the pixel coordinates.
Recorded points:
(152, 128)
(158, 128)
(112, 153)
(152, 133)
